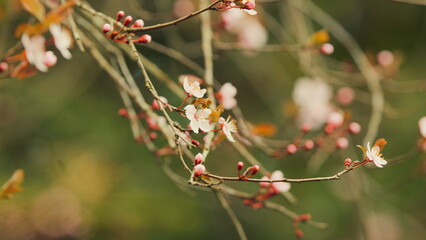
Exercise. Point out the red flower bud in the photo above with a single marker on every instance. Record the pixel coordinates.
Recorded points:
(255, 169)
(127, 20)
(119, 16)
(240, 166)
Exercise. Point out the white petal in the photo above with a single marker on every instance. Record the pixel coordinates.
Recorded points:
(194, 125)
(205, 125)
(190, 112)
(186, 85)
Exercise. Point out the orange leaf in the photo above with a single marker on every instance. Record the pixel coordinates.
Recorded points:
(12, 185)
(264, 129)
(35, 8)
(320, 37)
(31, 30)
(381, 143)
(23, 70)
(59, 14)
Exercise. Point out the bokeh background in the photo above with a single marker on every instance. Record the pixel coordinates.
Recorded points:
(86, 178)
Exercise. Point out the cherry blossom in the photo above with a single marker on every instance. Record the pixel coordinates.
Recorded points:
(62, 38)
(193, 88)
(226, 96)
(198, 118)
(312, 95)
(277, 187)
(228, 126)
(35, 51)
(199, 170)
(373, 154)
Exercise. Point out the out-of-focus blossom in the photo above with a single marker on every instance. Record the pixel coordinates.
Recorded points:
(335, 119)
(193, 88)
(373, 154)
(312, 95)
(228, 127)
(183, 8)
(226, 96)
(422, 127)
(62, 39)
(198, 118)
(35, 50)
(250, 32)
(199, 170)
(385, 58)
(277, 187)
(345, 96)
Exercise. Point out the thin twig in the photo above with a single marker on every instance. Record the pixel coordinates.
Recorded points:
(240, 230)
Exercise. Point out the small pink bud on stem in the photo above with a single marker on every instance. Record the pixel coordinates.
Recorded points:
(138, 23)
(306, 127)
(354, 128)
(153, 136)
(240, 166)
(348, 162)
(254, 170)
(119, 16)
(3, 67)
(342, 143)
(127, 20)
(309, 144)
(199, 158)
(305, 217)
(199, 170)
(106, 28)
(326, 49)
(123, 112)
(291, 149)
(146, 38)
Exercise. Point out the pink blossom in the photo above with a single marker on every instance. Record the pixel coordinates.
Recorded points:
(198, 118)
(35, 50)
(354, 128)
(62, 38)
(228, 127)
(227, 95)
(193, 88)
(199, 169)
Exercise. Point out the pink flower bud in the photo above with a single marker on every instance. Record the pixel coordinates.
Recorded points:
(106, 28)
(199, 170)
(356, 162)
(138, 23)
(309, 144)
(50, 59)
(120, 15)
(195, 142)
(155, 105)
(342, 143)
(335, 119)
(153, 136)
(354, 128)
(127, 20)
(345, 96)
(240, 166)
(249, 5)
(146, 38)
(328, 129)
(291, 149)
(199, 158)
(385, 58)
(152, 124)
(326, 49)
(306, 127)
(255, 169)
(3, 67)
(305, 217)
(123, 112)
(348, 162)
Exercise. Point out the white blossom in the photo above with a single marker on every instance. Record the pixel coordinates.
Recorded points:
(62, 39)
(198, 118)
(228, 127)
(193, 88)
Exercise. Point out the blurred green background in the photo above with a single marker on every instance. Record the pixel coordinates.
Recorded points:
(87, 179)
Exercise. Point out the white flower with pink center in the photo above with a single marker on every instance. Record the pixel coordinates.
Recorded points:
(373, 154)
(193, 88)
(199, 118)
(62, 39)
(226, 96)
(228, 127)
(35, 50)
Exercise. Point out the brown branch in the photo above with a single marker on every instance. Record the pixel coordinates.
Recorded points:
(174, 22)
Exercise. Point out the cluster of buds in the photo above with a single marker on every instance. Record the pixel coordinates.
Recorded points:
(302, 218)
(247, 5)
(199, 168)
(118, 36)
(248, 173)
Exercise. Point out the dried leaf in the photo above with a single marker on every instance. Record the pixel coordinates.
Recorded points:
(12, 185)
(320, 37)
(35, 8)
(59, 14)
(264, 129)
